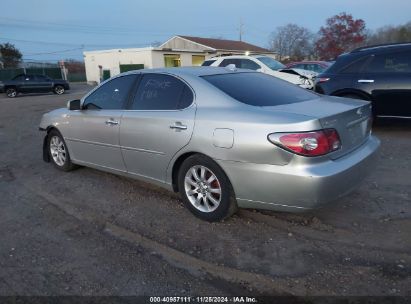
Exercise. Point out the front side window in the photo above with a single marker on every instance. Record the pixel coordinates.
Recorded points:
(111, 95)
(390, 63)
(258, 89)
(161, 92)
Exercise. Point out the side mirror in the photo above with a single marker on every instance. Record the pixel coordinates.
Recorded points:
(74, 105)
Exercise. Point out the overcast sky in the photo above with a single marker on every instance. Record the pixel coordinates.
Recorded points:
(55, 29)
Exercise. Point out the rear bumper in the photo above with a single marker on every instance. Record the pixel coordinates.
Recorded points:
(298, 187)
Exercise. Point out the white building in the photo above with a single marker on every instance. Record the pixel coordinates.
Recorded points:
(177, 51)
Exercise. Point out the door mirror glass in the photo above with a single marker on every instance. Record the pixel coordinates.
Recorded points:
(74, 105)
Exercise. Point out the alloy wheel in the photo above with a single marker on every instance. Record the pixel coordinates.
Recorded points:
(59, 90)
(11, 93)
(202, 188)
(58, 151)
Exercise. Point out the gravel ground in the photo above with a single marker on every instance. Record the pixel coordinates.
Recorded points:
(91, 233)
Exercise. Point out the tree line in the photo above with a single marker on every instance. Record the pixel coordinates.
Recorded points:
(341, 33)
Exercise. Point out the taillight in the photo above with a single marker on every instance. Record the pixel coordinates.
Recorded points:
(313, 143)
(322, 79)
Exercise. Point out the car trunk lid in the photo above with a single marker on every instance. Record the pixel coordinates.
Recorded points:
(351, 118)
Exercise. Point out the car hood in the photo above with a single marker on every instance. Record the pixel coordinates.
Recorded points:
(301, 72)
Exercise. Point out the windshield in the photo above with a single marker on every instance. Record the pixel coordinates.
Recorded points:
(271, 63)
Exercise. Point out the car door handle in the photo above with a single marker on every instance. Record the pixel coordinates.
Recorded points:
(366, 80)
(178, 126)
(112, 122)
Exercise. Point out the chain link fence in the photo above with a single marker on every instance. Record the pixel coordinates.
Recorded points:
(53, 71)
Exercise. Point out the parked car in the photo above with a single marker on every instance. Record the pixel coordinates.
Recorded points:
(33, 84)
(380, 75)
(314, 66)
(266, 65)
(222, 138)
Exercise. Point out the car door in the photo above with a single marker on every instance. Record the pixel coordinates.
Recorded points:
(94, 130)
(387, 77)
(29, 84)
(45, 84)
(158, 123)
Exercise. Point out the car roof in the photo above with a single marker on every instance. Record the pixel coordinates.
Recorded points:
(311, 61)
(383, 47)
(237, 56)
(346, 59)
(191, 71)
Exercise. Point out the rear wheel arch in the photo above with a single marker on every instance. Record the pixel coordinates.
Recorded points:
(180, 160)
(357, 93)
(206, 200)
(176, 168)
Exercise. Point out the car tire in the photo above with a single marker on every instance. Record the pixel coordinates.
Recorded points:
(58, 152)
(11, 92)
(59, 90)
(205, 189)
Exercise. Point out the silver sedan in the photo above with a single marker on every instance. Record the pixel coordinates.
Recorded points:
(223, 138)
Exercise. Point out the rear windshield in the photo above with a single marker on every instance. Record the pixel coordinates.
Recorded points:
(258, 89)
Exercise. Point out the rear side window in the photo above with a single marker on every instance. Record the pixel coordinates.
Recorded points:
(226, 62)
(390, 63)
(258, 89)
(208, 62)
(161, 92)
(112, 95)
(241, 64)
(248, 64)
(356, 66)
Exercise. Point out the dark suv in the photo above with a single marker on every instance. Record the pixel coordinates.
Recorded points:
(380, 74)
(33, 84)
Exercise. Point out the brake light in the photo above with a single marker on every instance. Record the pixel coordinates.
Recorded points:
(313, 143)
(322, 79)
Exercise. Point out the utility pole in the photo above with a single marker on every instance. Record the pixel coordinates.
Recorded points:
(240, 29)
